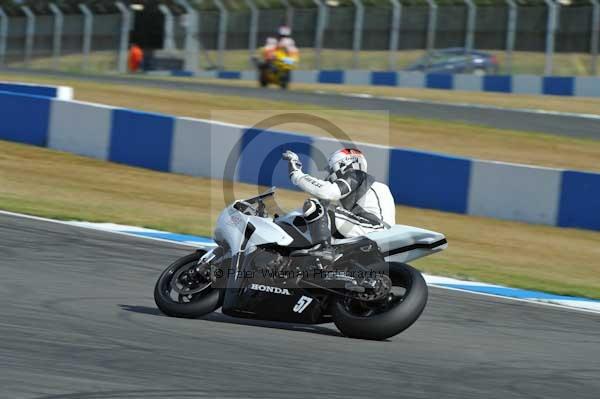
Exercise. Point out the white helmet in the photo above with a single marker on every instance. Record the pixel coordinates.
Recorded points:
(271, 42)
(341, 160)
(284, 30)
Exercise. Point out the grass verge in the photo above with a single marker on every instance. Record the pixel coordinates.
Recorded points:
(49, 183)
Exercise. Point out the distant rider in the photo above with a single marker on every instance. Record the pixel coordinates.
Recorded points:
(364, 205)
(283, 47)
(286, 44)
(268, 50)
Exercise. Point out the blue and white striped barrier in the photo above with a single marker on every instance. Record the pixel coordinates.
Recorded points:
(580, 86)
(224, 151)
(60, 92)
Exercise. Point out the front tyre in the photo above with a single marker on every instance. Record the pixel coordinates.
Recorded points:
(399, 311)
(284, 80)
(182, 291)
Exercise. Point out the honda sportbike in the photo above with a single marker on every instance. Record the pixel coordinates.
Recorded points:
(289, 268)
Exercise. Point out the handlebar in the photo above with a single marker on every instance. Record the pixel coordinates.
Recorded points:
(246, 208)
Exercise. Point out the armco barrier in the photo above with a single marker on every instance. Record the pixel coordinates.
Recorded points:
(523, 84)
(60, 92)
(225, 151)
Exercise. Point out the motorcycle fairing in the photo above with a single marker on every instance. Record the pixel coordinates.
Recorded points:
(232, 227)
(402, 243)
(250, 303)
(277, 299)
(267, 232)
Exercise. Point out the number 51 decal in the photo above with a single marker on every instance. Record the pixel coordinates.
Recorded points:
(302, 304)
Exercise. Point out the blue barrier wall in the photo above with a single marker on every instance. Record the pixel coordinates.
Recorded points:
(141, 139)
(580, 200)
(429, 180)
(200, 147)
(498, 84)
(24, 119)
(529, 84)
(260, 161)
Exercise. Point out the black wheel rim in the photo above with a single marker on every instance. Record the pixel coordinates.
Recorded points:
(402, 283)
(182, 291)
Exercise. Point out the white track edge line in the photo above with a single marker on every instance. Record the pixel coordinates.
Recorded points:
(508, 298)
(66, 223)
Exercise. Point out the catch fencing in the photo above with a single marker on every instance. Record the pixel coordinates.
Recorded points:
(211, 37)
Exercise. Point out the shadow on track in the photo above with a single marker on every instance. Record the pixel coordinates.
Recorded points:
(221, 318)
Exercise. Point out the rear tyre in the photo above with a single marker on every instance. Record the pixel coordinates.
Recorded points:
(386, 319)
(171, 288)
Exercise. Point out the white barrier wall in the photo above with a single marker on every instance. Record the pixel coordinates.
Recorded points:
(493, 186)
(225, 151)
(80, 128)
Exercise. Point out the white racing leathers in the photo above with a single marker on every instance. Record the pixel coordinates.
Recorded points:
(364, 205)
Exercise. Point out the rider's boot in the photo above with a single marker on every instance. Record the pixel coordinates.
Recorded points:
(318, 222)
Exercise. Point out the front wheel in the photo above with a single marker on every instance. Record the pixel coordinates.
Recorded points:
(284, 79)
(389, 317)
(185, 290)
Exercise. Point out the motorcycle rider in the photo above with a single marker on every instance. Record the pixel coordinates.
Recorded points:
(363, 204)
(286, 43)
(283, 44)
(268, 52)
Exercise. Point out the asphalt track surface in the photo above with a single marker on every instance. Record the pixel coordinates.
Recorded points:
(78, 321)
(571, 125)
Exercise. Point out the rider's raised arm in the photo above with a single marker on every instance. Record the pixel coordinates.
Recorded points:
(321, 189)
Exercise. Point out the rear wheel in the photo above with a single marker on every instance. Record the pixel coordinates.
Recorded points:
(386, 318)
(185, 289)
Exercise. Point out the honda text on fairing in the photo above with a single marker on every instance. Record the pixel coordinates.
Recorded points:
(270, 268)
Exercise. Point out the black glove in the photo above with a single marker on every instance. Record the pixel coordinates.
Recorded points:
(294, 163)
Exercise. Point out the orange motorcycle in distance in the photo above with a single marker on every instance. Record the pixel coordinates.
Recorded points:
(278, 70)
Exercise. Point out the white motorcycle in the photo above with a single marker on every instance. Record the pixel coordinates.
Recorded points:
(288, 268)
